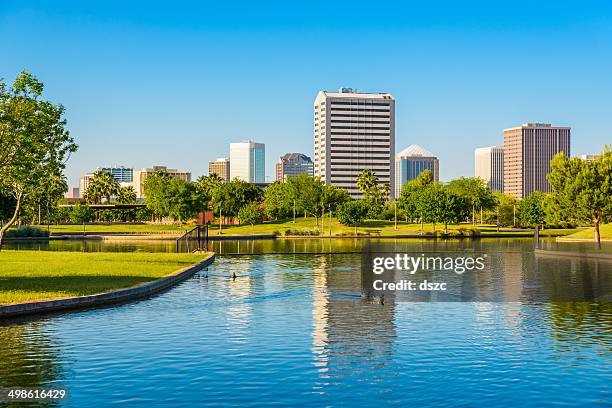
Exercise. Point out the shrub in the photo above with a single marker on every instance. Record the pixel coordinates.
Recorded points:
(302, 232)
(27, 232)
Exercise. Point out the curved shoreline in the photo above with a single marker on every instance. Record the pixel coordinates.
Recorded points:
(103, 299)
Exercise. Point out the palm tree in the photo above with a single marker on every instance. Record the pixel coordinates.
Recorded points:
(386, 188)
(102, 185)
(366, 181)
(126, 195)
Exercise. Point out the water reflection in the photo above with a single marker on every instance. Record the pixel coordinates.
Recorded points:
(296, 329)
(29, 357)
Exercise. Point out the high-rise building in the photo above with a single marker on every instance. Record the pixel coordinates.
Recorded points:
(248, 161)
(141, 175)
(489, 166)
(354, 131)
(528, 150)
(120, 173)
(293, 164)
(73, 192)
(411, 162)
(590, 157)
(221, 167)
(84, 182)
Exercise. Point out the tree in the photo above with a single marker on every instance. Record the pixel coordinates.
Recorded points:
(34, 144)
(373, 195)
(476, 192)
(252, 214)
(170, 197)
(102, 185)
(582, 190)
(81, 213)
(277, 201)
(230, 197)
(352, 213)
(156, 194)
(505, 210)
(531, 210)
(208, 183)
(126, 195)
(410, 195)
(440, 204)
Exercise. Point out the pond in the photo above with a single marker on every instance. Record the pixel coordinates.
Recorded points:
(295, 329)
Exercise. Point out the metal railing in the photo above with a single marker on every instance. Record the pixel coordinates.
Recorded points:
(193, 240)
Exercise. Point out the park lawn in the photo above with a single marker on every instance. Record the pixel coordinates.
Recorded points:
(370, 227)
(27, 276)
(123, 228)
(588, 234)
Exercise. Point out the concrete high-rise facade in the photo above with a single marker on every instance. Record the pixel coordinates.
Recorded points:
(292, 165)
(221, 167)
(489, 166)
(84, 182)
(248, 161)
(411, 162)
(141, 176)
(354, 131)
(528, 150)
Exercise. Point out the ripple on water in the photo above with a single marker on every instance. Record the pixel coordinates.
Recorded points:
(294, 329)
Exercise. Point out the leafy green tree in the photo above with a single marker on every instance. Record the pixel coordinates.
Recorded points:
(505, 210)
(34, 144)
(252, 214)
(170, 197)
(440, 204)
(476, 192)
(531, 210)
(157, 193)
(582, 190)
(102, 185)
(81, 213)
(352, 213)
(230, 197)
(334, 197)
(277, 203)
(411, 196)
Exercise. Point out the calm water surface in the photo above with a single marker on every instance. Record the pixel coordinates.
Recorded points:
(295, 330)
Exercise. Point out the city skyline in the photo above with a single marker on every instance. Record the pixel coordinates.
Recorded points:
(131, 97)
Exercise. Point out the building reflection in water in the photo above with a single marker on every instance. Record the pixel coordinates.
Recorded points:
(350, 335)
(239, 293)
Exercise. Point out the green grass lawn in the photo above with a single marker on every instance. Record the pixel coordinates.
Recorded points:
(27, 276)
(136, 228)
(588, 234)
(369, 227)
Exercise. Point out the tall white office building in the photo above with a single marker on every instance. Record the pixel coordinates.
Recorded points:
(489, 166)
(354, 131)
(248, 161)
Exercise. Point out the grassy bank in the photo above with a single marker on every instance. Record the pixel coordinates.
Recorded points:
(308, 226)
(305, 227)
(588, 234)
(123, 228)
(27, 276)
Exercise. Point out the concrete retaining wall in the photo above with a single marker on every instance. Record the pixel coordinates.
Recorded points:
(118, 296)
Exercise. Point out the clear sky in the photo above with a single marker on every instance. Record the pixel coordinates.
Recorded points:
(174, 83)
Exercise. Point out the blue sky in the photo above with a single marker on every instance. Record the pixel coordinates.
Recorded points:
(173, 83)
